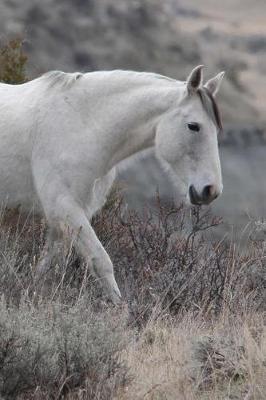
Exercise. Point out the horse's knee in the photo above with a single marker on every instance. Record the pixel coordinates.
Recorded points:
(101, 264)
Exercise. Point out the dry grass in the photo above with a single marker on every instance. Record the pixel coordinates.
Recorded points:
(195, 359)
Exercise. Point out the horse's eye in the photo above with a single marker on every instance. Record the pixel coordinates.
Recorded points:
(193, 126)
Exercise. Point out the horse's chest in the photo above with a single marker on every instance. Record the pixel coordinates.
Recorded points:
(16, 183)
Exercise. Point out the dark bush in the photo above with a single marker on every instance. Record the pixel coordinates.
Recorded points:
(165, 263)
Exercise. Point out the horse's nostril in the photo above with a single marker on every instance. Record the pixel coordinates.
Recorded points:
(209, 192)
(194, 197)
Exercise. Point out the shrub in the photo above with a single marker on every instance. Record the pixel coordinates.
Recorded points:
(13, 62)
(50, 351)
(165, 263)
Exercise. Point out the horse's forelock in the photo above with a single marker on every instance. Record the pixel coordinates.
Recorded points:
(211, 107)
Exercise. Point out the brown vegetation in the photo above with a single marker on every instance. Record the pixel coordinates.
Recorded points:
(192, 325)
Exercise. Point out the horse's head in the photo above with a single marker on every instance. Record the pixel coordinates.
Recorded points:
(186, 139)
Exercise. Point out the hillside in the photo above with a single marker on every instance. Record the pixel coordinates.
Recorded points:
(166, 37)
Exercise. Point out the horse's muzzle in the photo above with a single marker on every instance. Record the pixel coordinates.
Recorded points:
(208, 194)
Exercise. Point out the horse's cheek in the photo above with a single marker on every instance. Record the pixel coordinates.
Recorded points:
(169, 152)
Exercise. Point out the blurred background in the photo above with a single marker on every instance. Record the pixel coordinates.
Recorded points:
(168, 37)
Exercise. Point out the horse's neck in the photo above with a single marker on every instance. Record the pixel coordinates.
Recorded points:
(135, 114)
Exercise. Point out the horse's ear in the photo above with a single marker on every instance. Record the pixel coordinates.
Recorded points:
(194, 80)
(213, 85)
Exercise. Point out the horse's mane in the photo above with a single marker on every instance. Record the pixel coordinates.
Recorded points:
(63, 79)
(210, 105)
(66, 80)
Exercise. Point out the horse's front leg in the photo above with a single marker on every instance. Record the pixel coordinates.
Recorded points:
(64, 213)
(90, 248)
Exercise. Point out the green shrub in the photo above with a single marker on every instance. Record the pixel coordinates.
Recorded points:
(13, 62)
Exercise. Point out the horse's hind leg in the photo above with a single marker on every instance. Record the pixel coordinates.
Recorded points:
(52, 252)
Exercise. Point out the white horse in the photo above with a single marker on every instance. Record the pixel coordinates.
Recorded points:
(62, 135)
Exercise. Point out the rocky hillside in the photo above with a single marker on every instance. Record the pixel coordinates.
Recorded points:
(167, 37)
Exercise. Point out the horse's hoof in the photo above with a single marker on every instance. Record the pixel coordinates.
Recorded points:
(115, 297)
